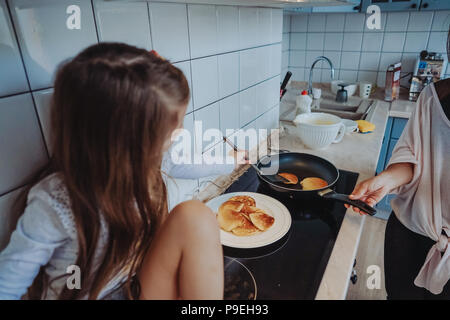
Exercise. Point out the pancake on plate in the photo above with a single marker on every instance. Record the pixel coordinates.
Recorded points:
(292, 178)
(247, 200)
(313, 183)
(240, 216)
(261, 220)
(246, 210)
(229, 216)
(246, 229)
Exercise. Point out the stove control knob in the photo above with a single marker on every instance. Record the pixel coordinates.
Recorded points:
(354, 277)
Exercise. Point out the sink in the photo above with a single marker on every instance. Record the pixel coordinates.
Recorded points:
(342, 114)
(333, 105)
(353, 109)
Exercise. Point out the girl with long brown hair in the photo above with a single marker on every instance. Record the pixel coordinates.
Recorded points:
(101, 205)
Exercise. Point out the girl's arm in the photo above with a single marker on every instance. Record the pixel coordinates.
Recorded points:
(195, 171)
(38, 233)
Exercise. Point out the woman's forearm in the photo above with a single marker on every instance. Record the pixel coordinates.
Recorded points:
(397, 174)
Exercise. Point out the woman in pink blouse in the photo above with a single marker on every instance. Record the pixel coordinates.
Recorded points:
(417, 250)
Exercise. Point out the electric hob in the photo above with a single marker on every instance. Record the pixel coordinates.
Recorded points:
(292, 267)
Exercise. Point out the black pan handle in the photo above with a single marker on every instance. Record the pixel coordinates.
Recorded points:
(331, 194)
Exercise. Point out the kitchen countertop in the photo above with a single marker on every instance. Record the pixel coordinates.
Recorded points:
(400, 108)
(348, 155)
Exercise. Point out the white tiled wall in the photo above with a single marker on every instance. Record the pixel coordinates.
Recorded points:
(357, 52)
(289, 25)
(230, 55)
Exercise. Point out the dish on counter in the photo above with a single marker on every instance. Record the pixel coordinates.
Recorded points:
(350, 125)
(240, 216)
(272, 207)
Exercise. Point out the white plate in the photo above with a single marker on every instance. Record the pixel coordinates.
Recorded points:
(350, 125)
(271, 206)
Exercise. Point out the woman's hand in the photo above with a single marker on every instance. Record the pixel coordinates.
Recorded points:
(371, 191)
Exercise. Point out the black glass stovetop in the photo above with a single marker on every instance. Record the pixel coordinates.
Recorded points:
(291, 268)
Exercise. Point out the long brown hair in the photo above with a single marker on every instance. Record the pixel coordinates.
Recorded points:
(112, 110)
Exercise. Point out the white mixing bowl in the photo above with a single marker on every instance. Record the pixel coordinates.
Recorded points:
(318, 130)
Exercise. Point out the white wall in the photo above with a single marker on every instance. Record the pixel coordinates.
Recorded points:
(231, 56)
(359, 53)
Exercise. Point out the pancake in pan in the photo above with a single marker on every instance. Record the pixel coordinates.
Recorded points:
(292, 178)
(313, 183)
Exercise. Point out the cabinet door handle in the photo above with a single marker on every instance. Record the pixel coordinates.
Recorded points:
(425, 5)
(413, 6)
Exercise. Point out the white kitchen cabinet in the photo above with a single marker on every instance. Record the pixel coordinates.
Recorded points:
(434, 5)
(410, 5)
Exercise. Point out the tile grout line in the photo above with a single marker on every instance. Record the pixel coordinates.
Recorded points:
(27, 78)
(150, 24)
(95, 21)
(404, 43)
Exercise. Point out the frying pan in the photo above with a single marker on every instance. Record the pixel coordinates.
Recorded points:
(305, 165)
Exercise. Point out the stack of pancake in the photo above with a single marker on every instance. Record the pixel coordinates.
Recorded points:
(240, 216)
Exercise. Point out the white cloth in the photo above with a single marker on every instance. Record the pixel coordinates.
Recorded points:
(423, 205)
(46, 235)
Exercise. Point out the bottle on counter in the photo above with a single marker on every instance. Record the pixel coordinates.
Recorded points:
(303, 103)
(392, 86)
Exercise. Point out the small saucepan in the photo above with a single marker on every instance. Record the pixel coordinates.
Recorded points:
(305, 165)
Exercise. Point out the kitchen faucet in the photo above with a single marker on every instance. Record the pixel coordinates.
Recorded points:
(312, 67)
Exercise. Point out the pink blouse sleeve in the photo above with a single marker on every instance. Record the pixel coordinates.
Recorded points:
(409, 147)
